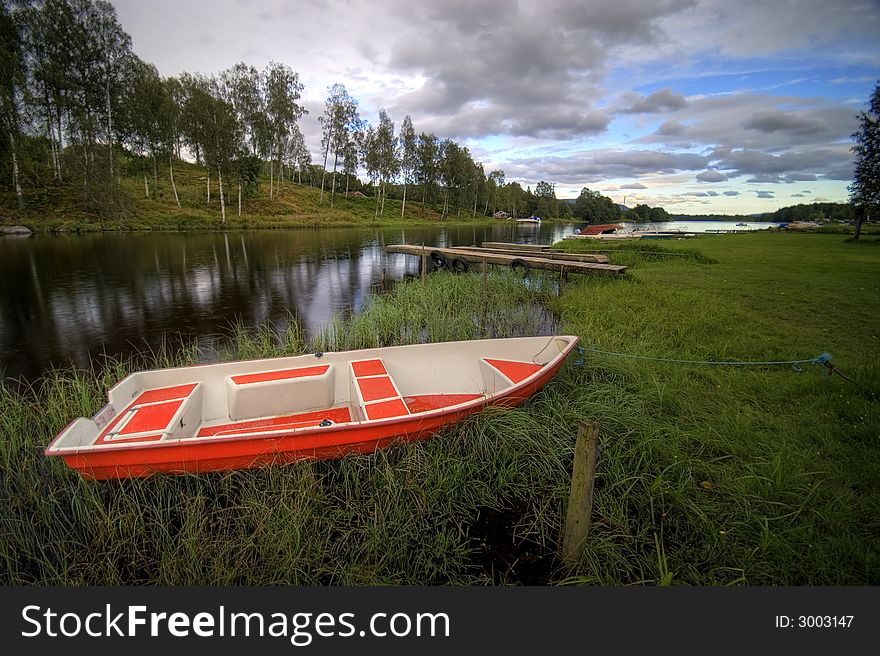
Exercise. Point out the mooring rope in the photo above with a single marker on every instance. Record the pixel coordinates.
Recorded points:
(821, 359)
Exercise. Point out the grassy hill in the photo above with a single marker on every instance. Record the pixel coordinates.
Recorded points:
(122, 204)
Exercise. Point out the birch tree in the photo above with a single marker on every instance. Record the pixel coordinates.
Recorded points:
(113, 46)
(386, 147)
(340, 114)
(282, 90)
(49, 46)
(242, 88)
(298, 154)
(351, 153)
(408, 156)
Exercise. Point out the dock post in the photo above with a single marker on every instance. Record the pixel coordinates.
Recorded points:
(580, 500)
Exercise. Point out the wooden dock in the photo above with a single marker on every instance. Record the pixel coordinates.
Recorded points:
(528, 248)
(553, 255)
(461, 259)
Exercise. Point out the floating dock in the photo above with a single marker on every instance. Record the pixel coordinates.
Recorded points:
(462, 258)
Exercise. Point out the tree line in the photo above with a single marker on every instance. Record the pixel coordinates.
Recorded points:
(78, 102)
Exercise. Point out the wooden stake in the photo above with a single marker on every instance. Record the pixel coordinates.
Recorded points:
(580, 500)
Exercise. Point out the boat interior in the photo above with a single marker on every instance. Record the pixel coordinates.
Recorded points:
(275, 396)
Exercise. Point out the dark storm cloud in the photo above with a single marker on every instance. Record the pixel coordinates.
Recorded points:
(534, 66)
(621, 20)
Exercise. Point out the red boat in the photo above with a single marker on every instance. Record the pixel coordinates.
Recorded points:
(244, 414)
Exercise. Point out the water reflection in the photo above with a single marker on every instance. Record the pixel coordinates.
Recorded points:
(71, 299)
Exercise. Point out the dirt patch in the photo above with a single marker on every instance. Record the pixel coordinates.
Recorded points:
(505, 556)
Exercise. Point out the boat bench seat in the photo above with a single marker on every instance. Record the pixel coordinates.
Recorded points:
(165, 413)
(280, 392)
(374, 390)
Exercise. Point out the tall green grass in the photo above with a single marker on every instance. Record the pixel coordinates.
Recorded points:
(707, 475)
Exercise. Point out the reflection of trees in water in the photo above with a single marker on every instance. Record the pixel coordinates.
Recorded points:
(73, 298)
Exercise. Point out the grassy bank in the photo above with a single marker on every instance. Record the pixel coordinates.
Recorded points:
(60, 207)
(708, 474)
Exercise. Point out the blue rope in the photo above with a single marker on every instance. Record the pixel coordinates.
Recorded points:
(822, 359)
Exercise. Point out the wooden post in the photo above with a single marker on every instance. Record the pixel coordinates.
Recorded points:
(485, 298)
(424, 263)
(580, 500)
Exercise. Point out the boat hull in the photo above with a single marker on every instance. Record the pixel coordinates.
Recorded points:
(248, 448)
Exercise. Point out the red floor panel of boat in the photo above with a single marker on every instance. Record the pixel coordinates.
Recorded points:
(300, 372)
(336, 415)
(386, 409)
(155, 417)
(165, 394)
(368, 368)
(516, 371)
(373, 389)
(426, 402)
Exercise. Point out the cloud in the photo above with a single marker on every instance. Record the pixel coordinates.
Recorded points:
(633, 185)
(659, 101)
(603, 164)
(778, 121)
(795, 165)
(711, 176)
(671, 128)
(731, 193)
(800, 177)
(764, 194)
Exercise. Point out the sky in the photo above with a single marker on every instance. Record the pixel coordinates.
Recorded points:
(697, 106)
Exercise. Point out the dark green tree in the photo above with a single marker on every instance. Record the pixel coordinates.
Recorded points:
(12, 81)
(427, 164)
(593, 207)
(864, 192)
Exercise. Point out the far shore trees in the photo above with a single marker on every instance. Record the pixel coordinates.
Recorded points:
(593, 207)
